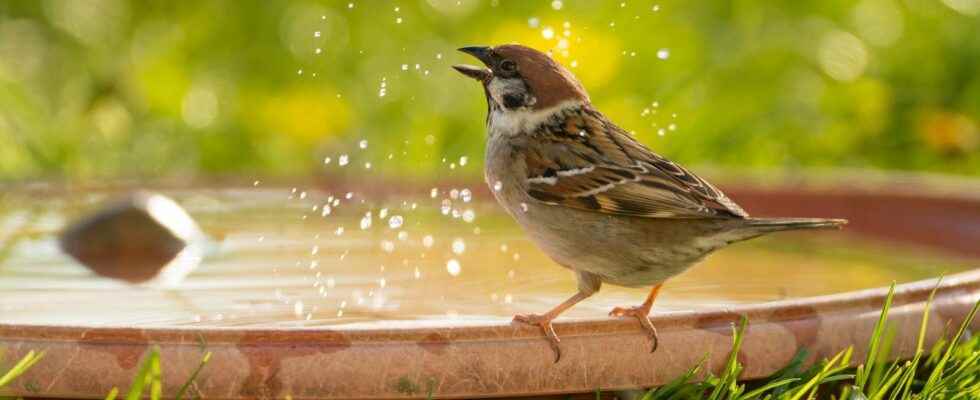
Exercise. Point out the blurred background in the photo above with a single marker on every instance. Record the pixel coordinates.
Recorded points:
(107, 89)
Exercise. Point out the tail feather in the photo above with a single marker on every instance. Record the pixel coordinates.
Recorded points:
(766, 225)
(755, 227)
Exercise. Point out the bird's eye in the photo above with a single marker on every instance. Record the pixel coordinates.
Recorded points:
(508, 66)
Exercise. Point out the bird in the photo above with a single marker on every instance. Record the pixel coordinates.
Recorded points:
(589, 194)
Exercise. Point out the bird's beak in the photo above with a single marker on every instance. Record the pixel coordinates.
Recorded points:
(479, 73)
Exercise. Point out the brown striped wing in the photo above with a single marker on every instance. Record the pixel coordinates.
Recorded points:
(584, 161)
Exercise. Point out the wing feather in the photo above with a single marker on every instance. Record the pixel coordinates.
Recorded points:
(581, 160)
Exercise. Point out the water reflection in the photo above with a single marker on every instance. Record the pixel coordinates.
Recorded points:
(279, 259)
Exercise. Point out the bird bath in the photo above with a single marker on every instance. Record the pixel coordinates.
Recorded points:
(381, 295)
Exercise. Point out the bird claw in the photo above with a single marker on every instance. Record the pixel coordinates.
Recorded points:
(643, 315)
(549, 330)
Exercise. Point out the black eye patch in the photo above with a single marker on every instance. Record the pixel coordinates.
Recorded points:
(513, 100)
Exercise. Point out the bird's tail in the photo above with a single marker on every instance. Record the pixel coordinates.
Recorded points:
(766, 225)
(755, 227)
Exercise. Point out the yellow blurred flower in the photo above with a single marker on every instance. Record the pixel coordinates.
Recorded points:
(302, 113)
(949, 132)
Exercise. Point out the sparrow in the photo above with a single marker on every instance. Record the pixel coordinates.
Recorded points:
(591, 196)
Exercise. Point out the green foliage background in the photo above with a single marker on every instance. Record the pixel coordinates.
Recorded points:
(116, 88)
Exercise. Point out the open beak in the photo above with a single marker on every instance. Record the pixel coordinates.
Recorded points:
(481, 53)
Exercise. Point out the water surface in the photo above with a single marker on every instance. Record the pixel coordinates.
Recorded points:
(275, 258)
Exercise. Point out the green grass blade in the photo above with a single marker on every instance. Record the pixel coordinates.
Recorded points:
(669, 390)
(144, 376)
(156, 381)
(732, 367)
(754, 394)
(890, 379)
(21, 367)
(812, 384)
(931, 384)
(875, 343)
(920, 344)
(204, 361)
(112, 394)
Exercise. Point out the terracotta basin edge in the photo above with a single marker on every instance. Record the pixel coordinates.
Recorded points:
(490, 359)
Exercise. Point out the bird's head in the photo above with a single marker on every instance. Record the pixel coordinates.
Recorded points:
(519, 78)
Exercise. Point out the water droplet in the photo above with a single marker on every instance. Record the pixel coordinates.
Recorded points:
(418, 273)
(398, 20)
(366, 221)
(533, 22)
(556, 5)
(459, 246)
(548, 33)
(298, 308)
(404, 67)
(469, 215)
(383, 213)
(395, 221)
(350, 5)
(656, 7)
(339, 231)
(453, 267)
(382, 283)
(428, 241)
(661, 132)
(508, 298)
(362, 144)
(497, 186)
(318, 50)
(343, 160)
(524, 207)
(326, 210)
(466, 195)
(387, 246)
(314, 250)
(433, 193)
(663, 54)
(463, 160)
(316, 34)
(403, 236)
(672, 127)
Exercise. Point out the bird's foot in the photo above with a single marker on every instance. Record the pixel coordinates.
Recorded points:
(544, 322)
(642, 314)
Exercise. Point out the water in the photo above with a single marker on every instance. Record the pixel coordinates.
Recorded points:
(276, 259)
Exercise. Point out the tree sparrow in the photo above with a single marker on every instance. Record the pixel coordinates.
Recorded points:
(596, 200)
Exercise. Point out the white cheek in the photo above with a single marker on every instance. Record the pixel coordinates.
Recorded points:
(497, 88)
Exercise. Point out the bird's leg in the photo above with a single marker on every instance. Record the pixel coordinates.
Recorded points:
(642, 313)
(544, 320)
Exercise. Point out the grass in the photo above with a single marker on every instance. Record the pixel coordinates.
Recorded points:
(949, 370)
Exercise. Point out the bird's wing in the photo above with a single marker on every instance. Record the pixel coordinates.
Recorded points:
(584, 161)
